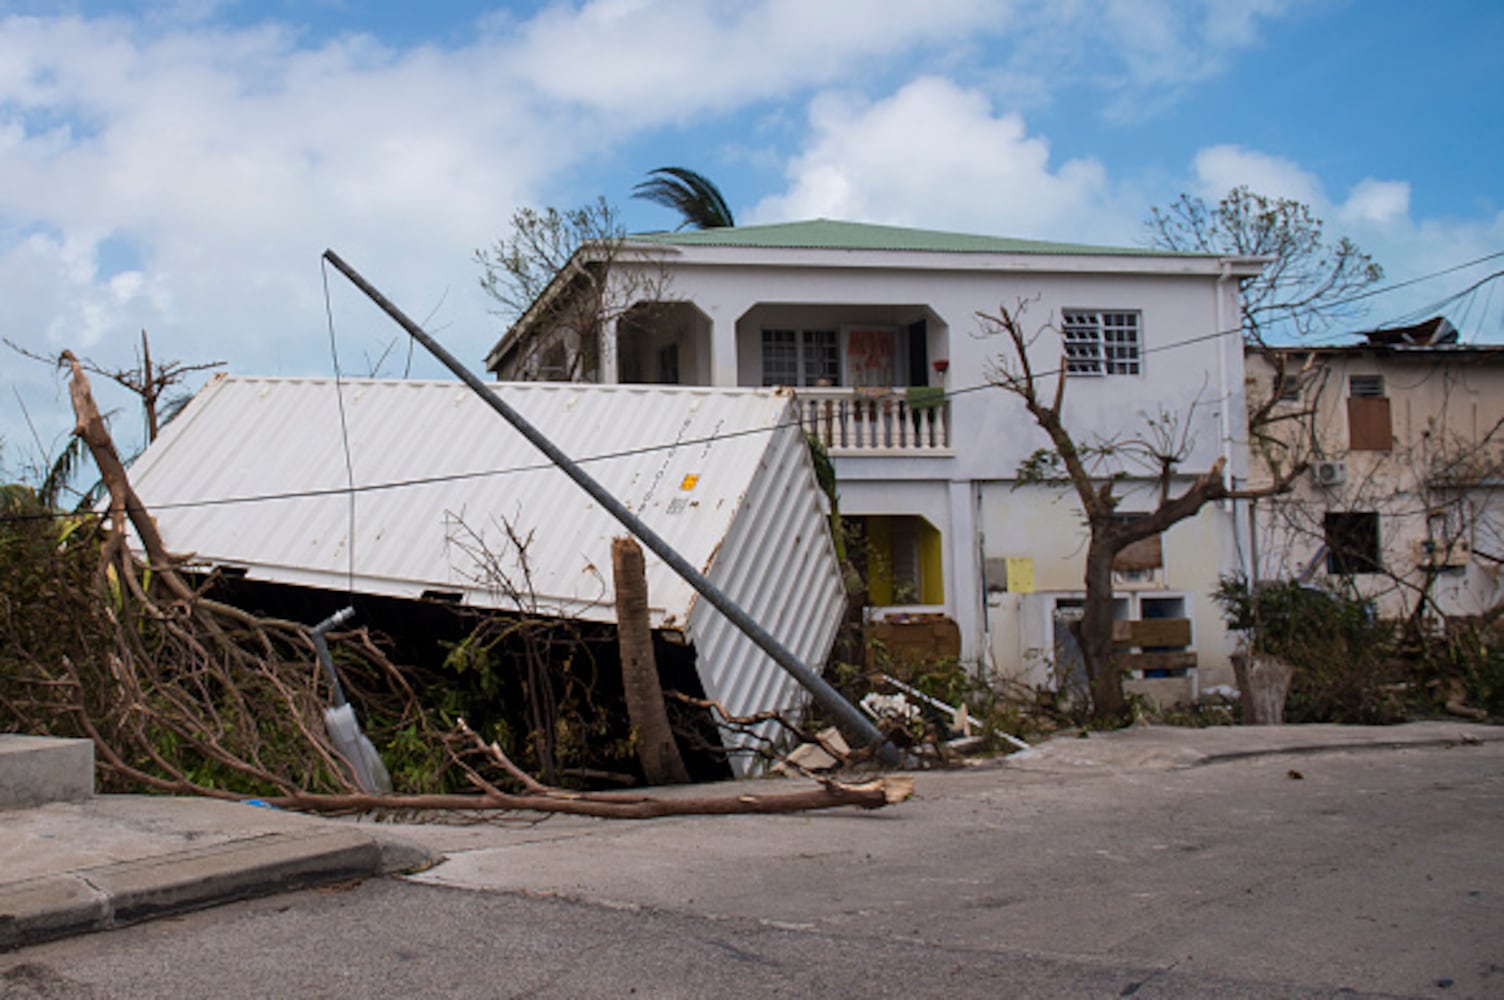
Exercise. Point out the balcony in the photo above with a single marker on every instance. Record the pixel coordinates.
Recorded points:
(877, 422)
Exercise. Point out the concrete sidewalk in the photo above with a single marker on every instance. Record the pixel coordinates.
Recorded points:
(73, 867)
(1163, 747)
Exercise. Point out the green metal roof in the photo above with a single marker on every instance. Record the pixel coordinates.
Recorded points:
(830, 234)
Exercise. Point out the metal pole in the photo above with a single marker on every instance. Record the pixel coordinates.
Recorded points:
(825, 695)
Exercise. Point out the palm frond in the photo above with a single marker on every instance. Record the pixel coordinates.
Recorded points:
(693, 195)
(60, 472)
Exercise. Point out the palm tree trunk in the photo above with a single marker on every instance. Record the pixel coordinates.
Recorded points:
(656, 749)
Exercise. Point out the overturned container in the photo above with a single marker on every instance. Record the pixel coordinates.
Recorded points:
(252, 478)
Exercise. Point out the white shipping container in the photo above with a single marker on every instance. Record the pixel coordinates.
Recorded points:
(253, 476)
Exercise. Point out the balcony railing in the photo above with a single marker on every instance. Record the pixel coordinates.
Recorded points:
(876, 421)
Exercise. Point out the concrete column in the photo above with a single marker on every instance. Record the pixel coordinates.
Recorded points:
(723, 360)
(607, 343)
(963, 575)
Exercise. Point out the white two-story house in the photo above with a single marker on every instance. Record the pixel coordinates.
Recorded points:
(876, 329)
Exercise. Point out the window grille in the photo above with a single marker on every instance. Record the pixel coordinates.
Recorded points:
(1102, 343)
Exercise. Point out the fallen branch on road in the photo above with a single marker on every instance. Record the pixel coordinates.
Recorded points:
(538, 797)
(829, 795)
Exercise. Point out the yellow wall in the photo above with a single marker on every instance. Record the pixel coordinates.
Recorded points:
(931, 564)
(879, 561)
(880, 588)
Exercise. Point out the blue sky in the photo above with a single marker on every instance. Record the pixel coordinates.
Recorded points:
(179, 166)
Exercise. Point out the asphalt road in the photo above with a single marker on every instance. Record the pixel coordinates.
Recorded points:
(1373, 872)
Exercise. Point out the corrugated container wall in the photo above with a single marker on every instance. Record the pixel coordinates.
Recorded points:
(253, 475)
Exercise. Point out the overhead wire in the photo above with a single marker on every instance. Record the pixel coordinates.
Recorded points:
(344, 432)
(352, 488)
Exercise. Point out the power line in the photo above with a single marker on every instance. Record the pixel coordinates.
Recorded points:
(353, 489)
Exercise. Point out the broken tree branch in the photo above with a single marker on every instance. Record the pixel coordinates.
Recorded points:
(831, 795)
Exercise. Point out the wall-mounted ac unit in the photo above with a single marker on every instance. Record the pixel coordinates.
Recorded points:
(1329, 473)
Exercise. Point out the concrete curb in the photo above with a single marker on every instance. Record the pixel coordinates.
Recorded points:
(1298, 751)
(111, 895)
(1170, 748)
(35, 770)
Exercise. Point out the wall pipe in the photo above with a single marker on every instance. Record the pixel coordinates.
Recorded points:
(826, 696)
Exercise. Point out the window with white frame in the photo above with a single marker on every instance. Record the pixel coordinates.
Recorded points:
(1101, 343)
(801, 357)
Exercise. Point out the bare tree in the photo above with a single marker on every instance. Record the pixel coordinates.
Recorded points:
(150, 382)
(561, 280)
(1160, 448)
(1305, 287)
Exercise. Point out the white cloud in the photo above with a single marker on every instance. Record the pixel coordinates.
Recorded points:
(651, 61)
(1376, 202)
(936, 156)
(1236, 24)
(1219, 169)
(1142, 55)
(227, 161)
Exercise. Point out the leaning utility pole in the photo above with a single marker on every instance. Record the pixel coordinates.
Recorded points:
(826, 696)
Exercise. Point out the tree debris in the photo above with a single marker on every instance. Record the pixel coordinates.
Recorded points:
(184, 694)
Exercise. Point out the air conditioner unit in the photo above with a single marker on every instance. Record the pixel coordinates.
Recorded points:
(1329, 473)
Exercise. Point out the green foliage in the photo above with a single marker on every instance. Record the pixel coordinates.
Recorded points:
(416, 763)
(1282, 617)
(1468, 661)
(1043, 466)
(534, 688)
(1482, 672)
(825, 476)
(47, 564)
(825, 469)
(1346, 669)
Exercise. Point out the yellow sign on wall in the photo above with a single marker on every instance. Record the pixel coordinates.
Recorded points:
(1020, 575)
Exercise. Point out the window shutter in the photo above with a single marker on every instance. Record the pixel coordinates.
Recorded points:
(1368, 424)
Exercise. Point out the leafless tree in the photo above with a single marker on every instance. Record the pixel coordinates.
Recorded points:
(1160, 449)
(562, 279)
(1306, 286)
(152, 382)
